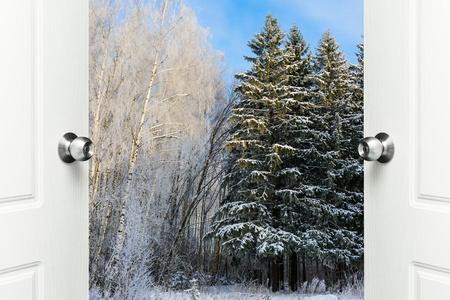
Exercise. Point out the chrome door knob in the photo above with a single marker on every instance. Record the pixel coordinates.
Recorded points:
(380, 148)
(72, 148)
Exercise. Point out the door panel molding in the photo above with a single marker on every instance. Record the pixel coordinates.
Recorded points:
(432, 192)
(25, 282)
(426, 280)
(22, 112)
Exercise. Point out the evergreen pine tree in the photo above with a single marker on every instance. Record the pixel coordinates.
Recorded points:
(358, 77)
(292, 132)
(248, 221)
(297, 64)
(332, 184)
(294, 180)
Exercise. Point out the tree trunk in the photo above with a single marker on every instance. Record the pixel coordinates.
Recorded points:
(226, 268)
(304, 279)
(216, 261)
(201, 233)
(275, 278)
(293, 272)
(282, 272)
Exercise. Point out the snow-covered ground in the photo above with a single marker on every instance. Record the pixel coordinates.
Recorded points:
(243, 292)
(246, 296)
(233, 292)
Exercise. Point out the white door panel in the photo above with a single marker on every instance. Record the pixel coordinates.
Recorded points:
(407, 201)
(43, 201)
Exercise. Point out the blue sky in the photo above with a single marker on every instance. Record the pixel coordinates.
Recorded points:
(232, 23)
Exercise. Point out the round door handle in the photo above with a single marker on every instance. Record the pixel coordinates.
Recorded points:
(72, 148)
(380, 148)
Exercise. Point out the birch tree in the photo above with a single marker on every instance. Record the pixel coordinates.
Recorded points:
(155, 88)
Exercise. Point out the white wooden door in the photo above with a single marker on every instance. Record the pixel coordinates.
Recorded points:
(43, 201)
(407, 201)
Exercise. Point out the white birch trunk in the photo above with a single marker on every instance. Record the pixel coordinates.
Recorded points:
(136, 145)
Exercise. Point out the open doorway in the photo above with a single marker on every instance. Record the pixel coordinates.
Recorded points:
(210, 177)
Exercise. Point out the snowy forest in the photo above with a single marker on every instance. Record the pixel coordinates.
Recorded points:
(197, 181)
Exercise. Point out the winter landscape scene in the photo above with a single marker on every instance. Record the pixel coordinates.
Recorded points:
(225, 163)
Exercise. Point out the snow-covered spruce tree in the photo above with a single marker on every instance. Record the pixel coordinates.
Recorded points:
(358, 76)
(248, 222)
(332, 188)
(292, 132)
(297, 65)
(353, 130)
